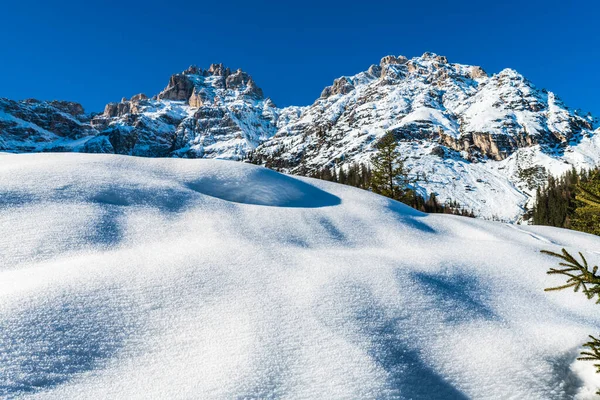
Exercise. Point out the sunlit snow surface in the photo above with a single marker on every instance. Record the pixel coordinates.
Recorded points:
(123, 277)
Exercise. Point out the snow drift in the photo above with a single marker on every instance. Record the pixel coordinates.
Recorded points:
(123, 277)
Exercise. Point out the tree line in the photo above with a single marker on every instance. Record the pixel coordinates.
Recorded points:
(385, 174)
(569, 201)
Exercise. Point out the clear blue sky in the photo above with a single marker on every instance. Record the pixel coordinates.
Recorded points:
(95, 52)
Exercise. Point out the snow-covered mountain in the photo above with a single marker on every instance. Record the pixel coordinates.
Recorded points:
(428, 98)
(214, 113)
(137, 278)
(485, 141)
(33, 125)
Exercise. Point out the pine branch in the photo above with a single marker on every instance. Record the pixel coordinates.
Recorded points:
(593, 354)
(580, 277)
(588, 197)
(588, 192)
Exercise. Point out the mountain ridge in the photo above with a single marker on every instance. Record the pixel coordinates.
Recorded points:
(452, 121)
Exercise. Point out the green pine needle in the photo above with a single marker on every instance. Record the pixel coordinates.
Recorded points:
(579, 275)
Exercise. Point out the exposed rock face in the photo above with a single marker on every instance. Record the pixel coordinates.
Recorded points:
(198, 98)
(218, 70)
(75, 109)
(340, 86)
(117, 109)
(496, 147)
(139, 97)
(113, 110)
(478, 72)
(253, 90)
(33, 125)
(180, 88)
(388, 60)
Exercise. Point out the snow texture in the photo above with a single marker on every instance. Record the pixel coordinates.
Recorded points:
(125, 277)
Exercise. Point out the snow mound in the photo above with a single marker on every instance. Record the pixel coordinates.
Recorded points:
(123, 277)
(260, 186)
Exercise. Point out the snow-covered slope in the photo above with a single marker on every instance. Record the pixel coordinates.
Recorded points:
(125, 277)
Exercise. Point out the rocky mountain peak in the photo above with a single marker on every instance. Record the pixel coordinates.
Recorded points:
(434, 57)
(477, 72)
(219, 70)
(69, 107)
(195, 85)
(387, 60)
(192, 70)
(341, 85)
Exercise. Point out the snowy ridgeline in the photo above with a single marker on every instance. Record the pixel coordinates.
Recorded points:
(123, 277)
(485, 141)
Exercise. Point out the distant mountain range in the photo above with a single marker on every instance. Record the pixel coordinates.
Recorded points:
(485, 141)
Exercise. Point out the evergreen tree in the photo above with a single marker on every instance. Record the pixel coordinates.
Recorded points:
(342, 177)
(571, 201)
(587, 214)
(388, 177)
(580, 277)
(360, 175)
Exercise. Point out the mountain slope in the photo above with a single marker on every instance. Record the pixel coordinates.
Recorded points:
(428, 98)
(126, 277)
(486, 141)
(33, 125)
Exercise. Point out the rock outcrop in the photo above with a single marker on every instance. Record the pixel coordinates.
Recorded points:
(33, 125)
(180, 88)
(340, 86)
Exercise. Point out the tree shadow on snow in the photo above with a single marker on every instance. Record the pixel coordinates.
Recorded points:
(408, 216)
(409, 376)
(459, 296)
(166, 200)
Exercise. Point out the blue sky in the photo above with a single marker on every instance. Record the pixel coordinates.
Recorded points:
(95, 52)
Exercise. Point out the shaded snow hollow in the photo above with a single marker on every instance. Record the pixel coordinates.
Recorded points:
(123, 277)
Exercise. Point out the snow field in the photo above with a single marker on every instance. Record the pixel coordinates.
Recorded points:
(123, 277)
